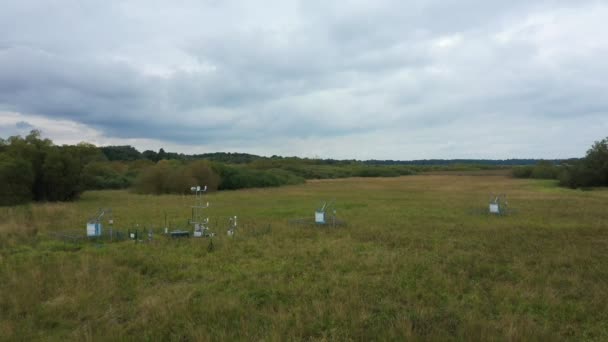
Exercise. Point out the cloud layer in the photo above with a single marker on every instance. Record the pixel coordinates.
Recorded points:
(349, 79)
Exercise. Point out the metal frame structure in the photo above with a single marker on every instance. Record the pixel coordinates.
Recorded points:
(321, 217)
(321, 213)
(95, 226)
(199, 223)
(498, 204)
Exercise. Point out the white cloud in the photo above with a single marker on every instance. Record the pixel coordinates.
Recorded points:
(362, 79)
(447, 42)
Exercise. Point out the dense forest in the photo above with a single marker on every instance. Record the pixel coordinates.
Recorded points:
(32, 168)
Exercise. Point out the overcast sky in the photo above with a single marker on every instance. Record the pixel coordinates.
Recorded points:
(334, 79)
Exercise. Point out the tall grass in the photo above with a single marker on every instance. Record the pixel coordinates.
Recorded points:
(418, 260)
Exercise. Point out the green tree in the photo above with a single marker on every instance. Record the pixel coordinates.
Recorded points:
(85, 153)
(121, 152)
(104, 175)
(150, 155)
(591, 171)
(33, 149)
(61, 176)
(16, 180)
(162, 154)
(597, 161)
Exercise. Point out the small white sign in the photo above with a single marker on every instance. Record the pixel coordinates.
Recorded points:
(90, 229)
(319, 217)
(93, 229)
(494, 209)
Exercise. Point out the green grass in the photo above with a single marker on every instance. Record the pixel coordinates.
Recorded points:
(418, 260)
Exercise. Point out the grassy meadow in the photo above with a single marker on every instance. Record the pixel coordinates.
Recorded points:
(419, 259)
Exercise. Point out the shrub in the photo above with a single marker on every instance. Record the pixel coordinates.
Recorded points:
(102, 175)
(544, 170)
(202, 173)
(239, 177)
(374, 171)
(579, 176)
(175, 177)
(522, 171)
(591, 171)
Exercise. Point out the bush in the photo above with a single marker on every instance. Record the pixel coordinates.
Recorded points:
(522, 171)
(202, 173)
(591, 171)
(175, 177)
(239, 177)
(404, 171)
(579, 176)
(374, 171)
(319, 171)
(102, 175)
(310, 169)
(152, 180)
(543, 170)
(285, 177)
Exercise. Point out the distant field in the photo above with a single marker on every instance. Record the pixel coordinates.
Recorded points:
(418, 260)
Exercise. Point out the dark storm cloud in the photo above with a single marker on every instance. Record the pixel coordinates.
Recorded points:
(235, 73)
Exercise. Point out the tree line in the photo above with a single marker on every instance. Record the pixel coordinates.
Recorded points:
(129, 153)
(32, 168)
(590, 171)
